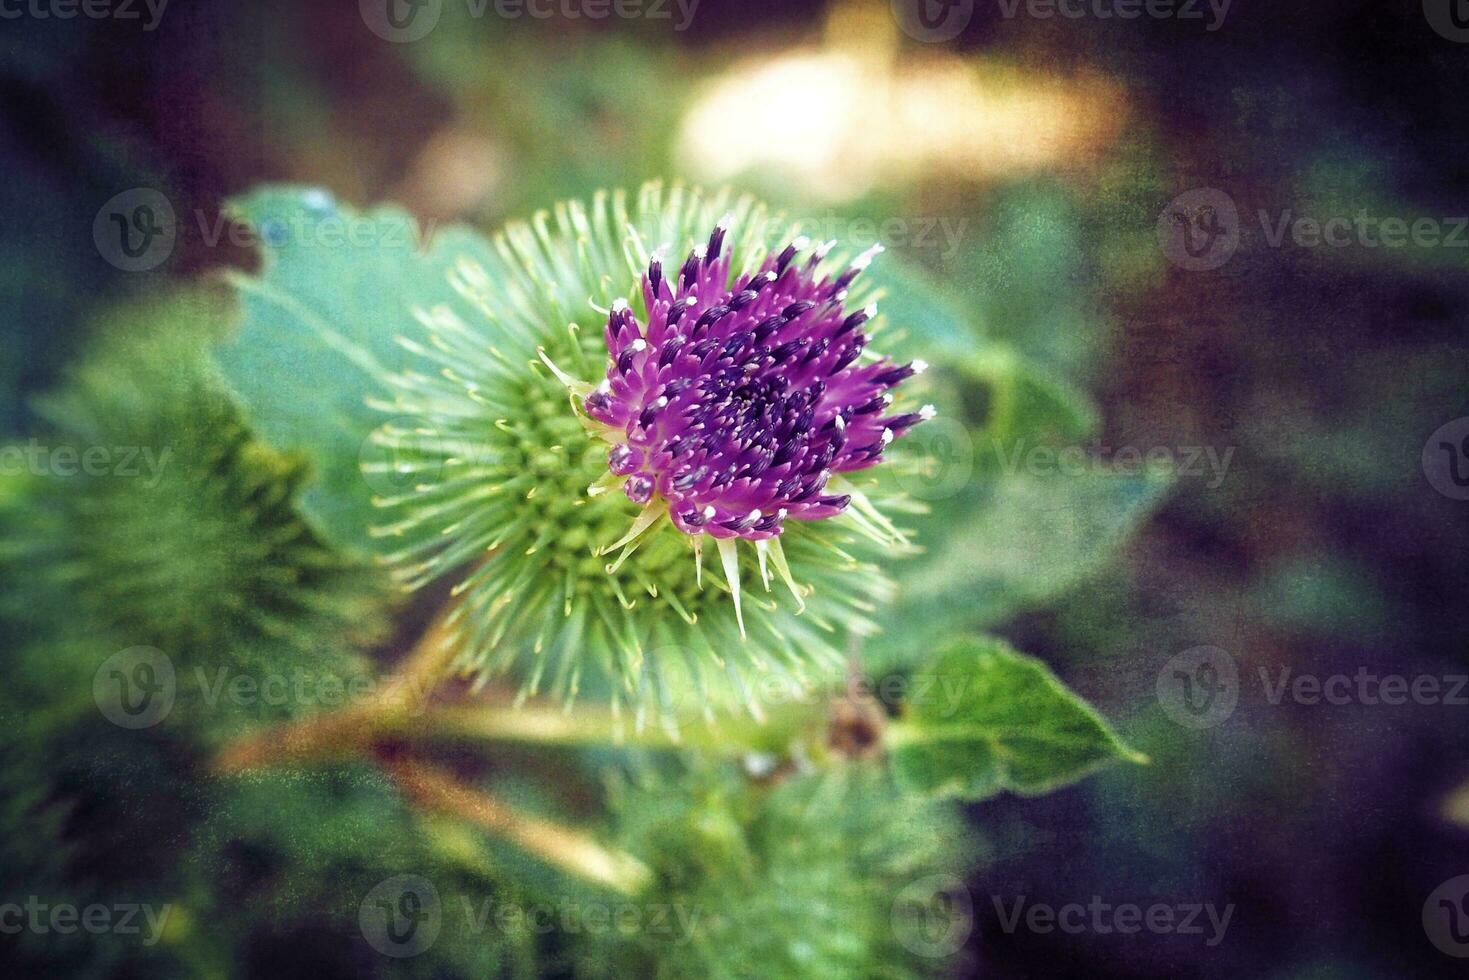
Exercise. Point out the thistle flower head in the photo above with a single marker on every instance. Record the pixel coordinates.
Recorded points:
(739, 399)
(730, 399)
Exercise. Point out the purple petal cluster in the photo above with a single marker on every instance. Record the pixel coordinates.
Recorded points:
(740, 399)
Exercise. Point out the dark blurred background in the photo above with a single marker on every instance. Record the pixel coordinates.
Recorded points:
(1025, 160)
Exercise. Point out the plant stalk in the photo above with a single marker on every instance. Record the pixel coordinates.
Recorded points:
(434, 788)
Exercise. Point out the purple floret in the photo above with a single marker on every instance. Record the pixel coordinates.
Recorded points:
(740, 399)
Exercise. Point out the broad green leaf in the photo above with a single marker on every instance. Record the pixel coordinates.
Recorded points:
(985, 381)
(1006, 403)
(983, 719)
(925, 321)
(998, 545)
(1035, 271)
(319, 326)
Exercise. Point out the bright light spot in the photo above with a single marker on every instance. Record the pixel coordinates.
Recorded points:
(838, 124)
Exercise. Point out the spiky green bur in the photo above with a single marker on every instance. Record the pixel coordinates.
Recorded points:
(496, 471)
(188, 538)
(795, 879)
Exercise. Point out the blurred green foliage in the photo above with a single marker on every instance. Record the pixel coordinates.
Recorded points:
(1324, 370)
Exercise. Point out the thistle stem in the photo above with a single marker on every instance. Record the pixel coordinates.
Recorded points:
(351, 730)
(434, 788)
(401, 709)
(598, 726)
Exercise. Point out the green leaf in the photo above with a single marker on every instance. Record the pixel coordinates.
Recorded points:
(999, 545)
(926, 320)
(1022, 399)
(1037, 270)
(984, 719)
(1027, 405)
(319, 329)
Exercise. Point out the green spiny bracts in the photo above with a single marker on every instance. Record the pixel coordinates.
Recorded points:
(797, 878)
(185, 536)
(499, 464)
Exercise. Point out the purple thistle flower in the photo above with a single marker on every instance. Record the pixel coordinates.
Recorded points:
(737, 388)
(739, 399)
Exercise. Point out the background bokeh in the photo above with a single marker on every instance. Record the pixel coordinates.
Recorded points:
(1024, 161)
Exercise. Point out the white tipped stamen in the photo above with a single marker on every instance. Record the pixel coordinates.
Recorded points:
(700, 251)
(800, 243)
(841, 423)
(724, 222)
(709, 513)
(870, 310)
(825, 247)
(663, 400)
(919, 366)
(927, 412)
(865, 259)
(638, 345)
(754, 514)
(887, 436)
(619, 304)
